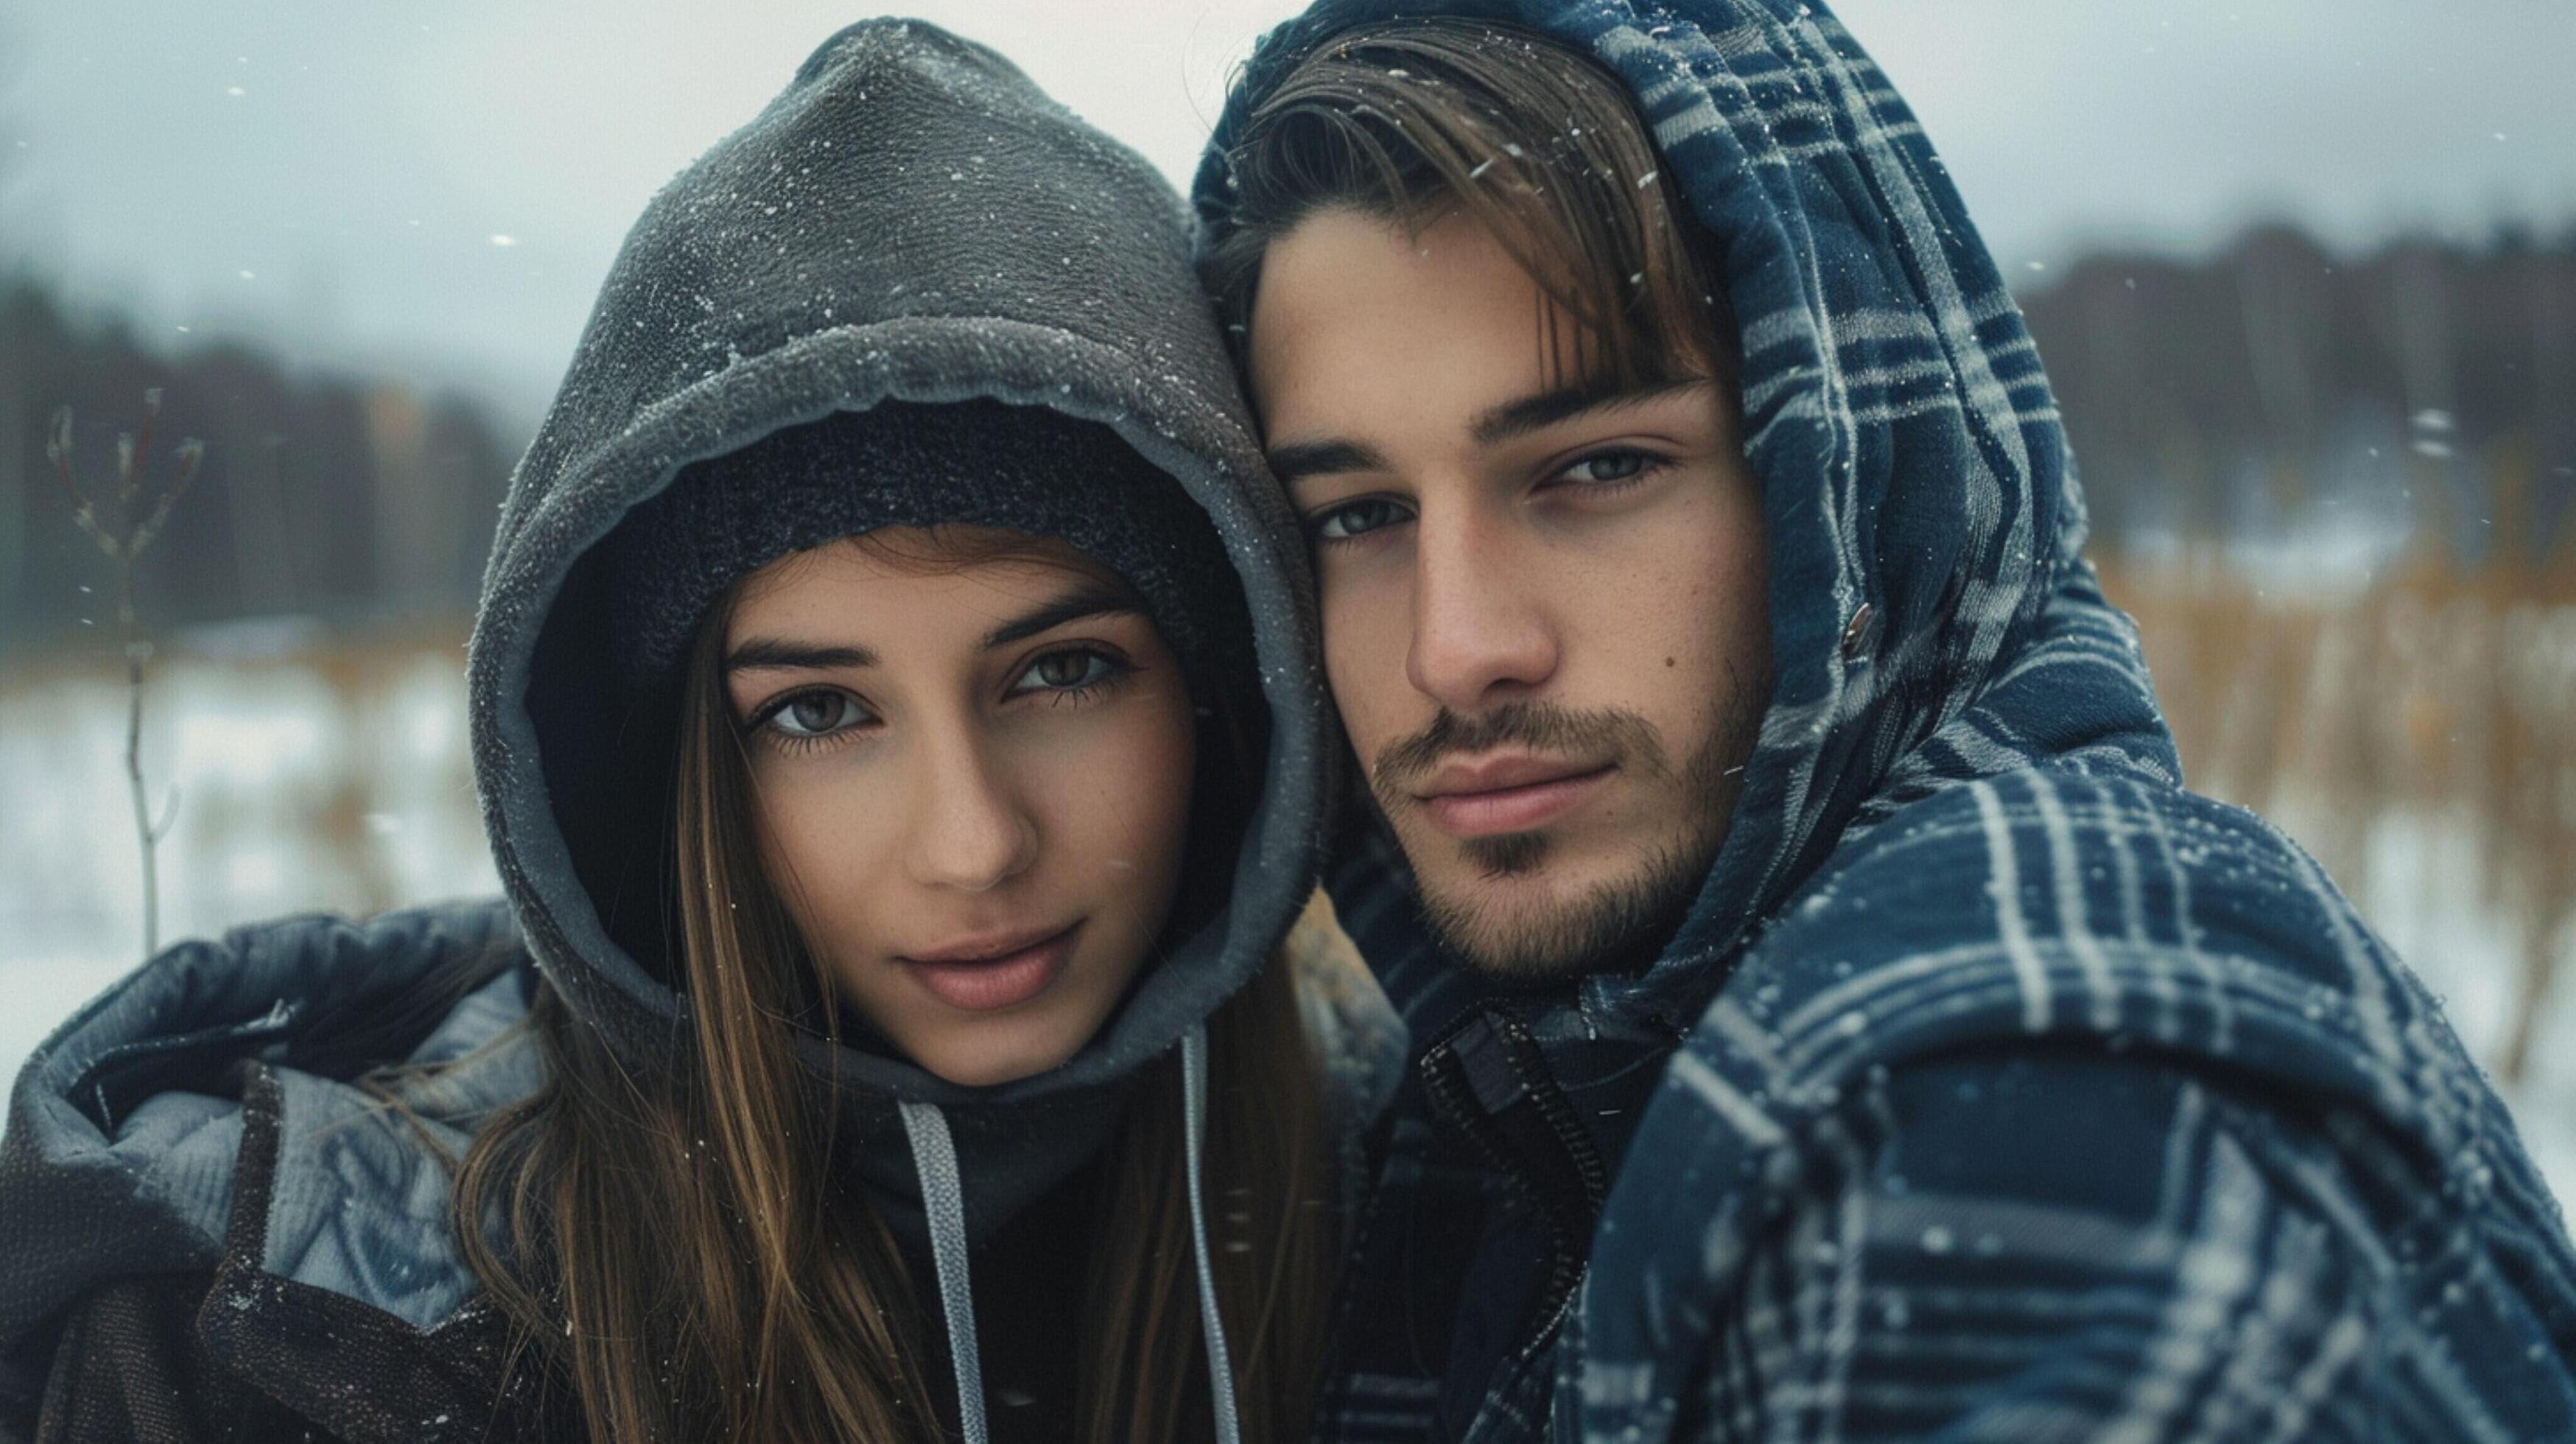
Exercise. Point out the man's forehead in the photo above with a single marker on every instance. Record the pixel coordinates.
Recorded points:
(1341, 282)
(1356, 332)
(1363, 323)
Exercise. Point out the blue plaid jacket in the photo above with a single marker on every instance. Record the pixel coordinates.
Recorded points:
(1996, 1088)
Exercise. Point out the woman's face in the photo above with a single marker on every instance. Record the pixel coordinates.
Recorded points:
(973, 790)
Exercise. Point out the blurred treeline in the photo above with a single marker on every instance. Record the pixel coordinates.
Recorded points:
(321, 496)
(2425, 388)
(2425, 393)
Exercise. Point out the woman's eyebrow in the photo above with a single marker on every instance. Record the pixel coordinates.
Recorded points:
(776, 654)
(773, 654)
(1093, 600)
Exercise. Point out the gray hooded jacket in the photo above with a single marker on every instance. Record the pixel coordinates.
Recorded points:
(910, 219)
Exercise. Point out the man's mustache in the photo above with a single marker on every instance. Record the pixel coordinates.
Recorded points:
(1604, 737)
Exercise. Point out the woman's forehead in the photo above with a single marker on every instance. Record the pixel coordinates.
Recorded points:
(891, 557)
(912, 591)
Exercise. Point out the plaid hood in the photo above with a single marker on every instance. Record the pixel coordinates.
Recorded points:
(1963, 845)
(1931, 617)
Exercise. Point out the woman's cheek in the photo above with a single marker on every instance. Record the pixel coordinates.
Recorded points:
(822, 856)
(1136, 796)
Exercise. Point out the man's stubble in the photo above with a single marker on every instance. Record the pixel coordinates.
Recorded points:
(1620, 925)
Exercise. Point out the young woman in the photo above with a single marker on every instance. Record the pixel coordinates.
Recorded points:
(895, 713)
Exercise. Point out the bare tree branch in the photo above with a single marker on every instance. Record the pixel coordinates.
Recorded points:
(133, 457)
(169, 814)
(58, 450)
(191, 453)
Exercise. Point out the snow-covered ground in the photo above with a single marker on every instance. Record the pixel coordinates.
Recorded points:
(337, 779)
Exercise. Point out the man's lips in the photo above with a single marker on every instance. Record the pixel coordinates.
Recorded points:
(982, 974)
(1507, 794)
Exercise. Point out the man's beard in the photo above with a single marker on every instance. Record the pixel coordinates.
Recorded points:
(1621, 925)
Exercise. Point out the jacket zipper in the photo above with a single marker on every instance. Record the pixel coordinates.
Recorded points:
(1569, 1227)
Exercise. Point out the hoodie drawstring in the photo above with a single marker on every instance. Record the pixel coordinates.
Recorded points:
(934, 1160)
(1229, 1429)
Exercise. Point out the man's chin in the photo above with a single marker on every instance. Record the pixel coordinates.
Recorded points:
(1533, 919)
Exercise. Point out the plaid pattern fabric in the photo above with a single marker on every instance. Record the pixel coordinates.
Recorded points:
(2011, 1091)
(2119, 1128)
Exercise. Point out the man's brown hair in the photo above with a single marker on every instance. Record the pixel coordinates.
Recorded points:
(1418, 119)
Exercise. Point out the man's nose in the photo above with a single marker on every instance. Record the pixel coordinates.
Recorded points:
(970, 831)
(1481, 632)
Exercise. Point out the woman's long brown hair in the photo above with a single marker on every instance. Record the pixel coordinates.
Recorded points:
(678, 1247)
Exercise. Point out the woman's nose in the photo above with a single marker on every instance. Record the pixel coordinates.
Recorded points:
(970, 833)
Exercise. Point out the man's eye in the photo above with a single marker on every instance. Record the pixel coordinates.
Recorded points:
(1356, 518)
(1602, 467)
(817, 714)
(1072, 670)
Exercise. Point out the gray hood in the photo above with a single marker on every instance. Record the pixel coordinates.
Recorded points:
(911, 219)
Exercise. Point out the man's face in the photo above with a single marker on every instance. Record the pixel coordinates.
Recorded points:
(1543, 599)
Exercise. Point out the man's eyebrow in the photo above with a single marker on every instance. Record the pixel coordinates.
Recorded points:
(1296, 462)
(1531, 413)
(1089, 600)
(775, 654)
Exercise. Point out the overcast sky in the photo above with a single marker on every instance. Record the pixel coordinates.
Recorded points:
(437, 189)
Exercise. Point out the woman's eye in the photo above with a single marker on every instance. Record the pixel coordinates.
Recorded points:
(817, 714)
(1074, 670)
(1602, 467)
(1357, 518)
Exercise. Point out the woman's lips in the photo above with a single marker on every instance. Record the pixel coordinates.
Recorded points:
(1493, 811)
(1001, 980)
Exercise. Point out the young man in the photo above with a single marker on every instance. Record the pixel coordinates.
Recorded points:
(1831, 1019)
